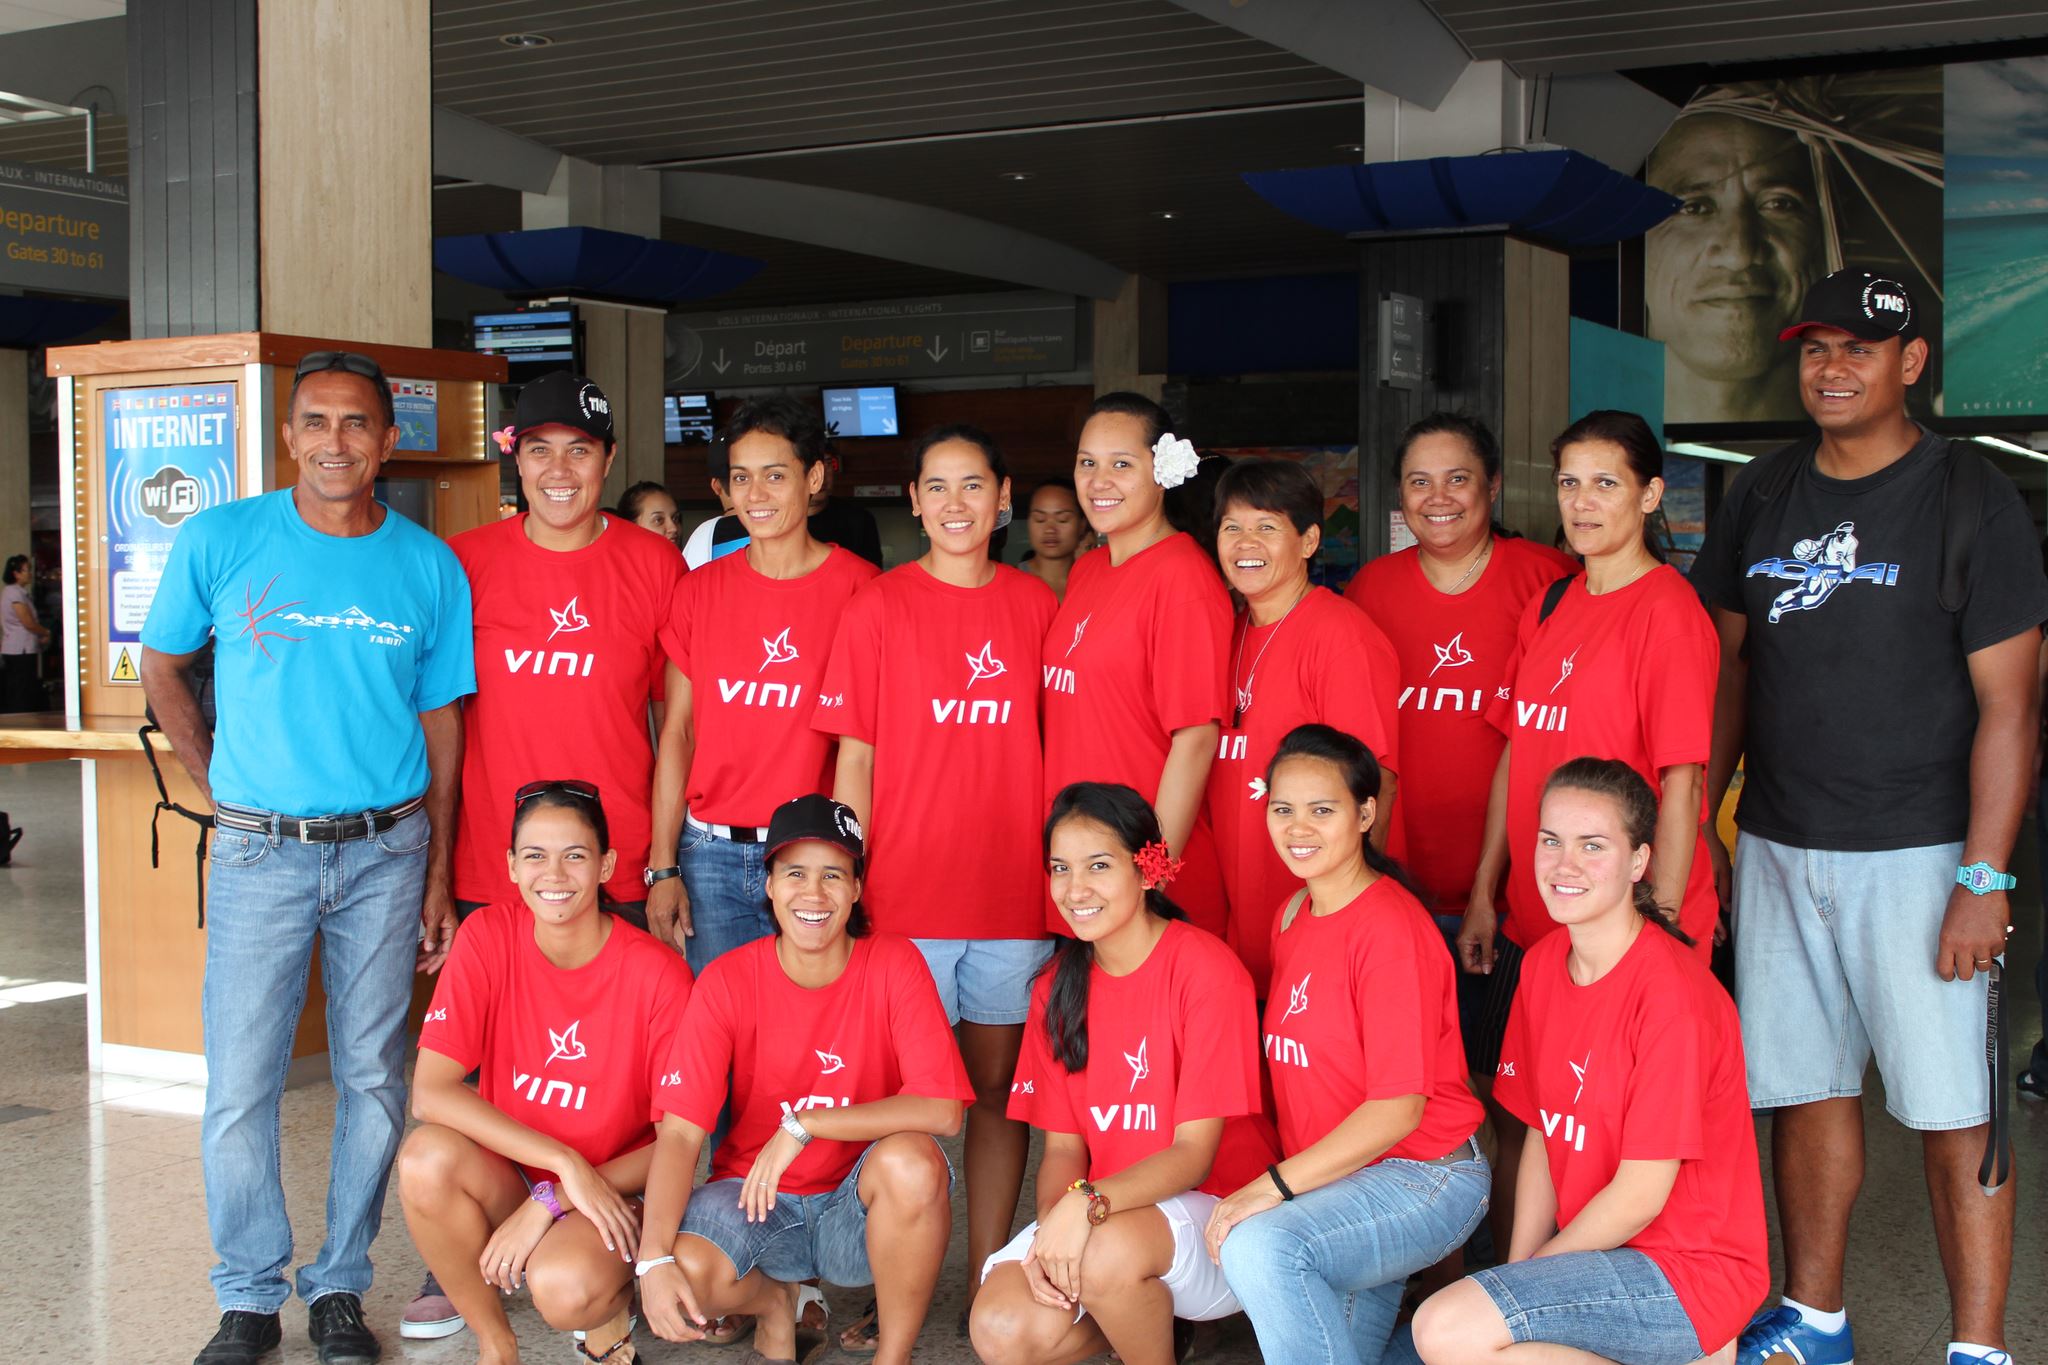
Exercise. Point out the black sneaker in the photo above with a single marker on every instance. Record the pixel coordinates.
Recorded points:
(2033, 1082)
(335, 1322)
(242, 1339)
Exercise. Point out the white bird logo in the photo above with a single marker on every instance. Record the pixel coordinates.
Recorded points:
(1579, 1070)
(567, 1047)
(568, 618)
(985, 664)
(1077, 634)
(830, 1061)
(780, 650)
(1140, 1069)
(1297, 998)
(1564, 672)
(1452, 655)
(1258, 789)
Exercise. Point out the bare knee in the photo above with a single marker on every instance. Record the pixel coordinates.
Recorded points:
(1114, 1259)
(909, 1170)
(567, 1295)
(430, 1165)
(1008, 1329)
(1457, 1324)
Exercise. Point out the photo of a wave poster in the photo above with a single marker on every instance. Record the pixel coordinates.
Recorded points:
(1995, 239)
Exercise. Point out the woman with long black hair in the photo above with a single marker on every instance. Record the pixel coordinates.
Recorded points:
(1639, 1219)
(1381, 1173)
(565, 1012)
(1141, 1067)
(1134, 663)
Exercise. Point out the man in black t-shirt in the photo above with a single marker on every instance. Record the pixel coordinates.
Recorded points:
(1889, 746)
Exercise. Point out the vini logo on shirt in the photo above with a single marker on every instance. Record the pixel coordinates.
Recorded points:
(775, 695)
(984, 711)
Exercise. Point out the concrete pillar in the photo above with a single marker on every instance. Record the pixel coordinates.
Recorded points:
(1130, 339)
(623, 353)
(14, 523)
(345, 99)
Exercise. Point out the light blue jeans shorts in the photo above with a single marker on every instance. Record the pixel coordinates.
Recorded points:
(985, 980)
(1834, 963)
(1614, 1304)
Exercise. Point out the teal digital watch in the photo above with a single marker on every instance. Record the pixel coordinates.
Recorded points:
(1980, 879)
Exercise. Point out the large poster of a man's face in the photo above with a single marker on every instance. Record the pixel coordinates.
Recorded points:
(1779, 183)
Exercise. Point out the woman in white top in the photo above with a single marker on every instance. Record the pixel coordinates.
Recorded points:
(22, 638)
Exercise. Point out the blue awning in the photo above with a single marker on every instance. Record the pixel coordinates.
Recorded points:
(1560, 197)
(595, 261)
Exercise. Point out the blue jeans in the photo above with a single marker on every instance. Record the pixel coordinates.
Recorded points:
(266, 900)
(1322, 1275)
(727, 884)
(1614, 1304)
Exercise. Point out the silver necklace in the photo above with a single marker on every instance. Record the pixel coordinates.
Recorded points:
(1471, 568)
(1244, 692)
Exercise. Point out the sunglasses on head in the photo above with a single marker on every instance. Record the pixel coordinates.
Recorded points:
(315, 362)
(554, 786)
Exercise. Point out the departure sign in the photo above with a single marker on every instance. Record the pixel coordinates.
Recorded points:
(63, 231)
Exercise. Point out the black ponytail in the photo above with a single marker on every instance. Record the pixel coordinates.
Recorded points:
(1623, 785)
(1130, 820)
(1361, 774)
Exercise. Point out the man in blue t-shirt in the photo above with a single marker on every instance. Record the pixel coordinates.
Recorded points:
(341, 637)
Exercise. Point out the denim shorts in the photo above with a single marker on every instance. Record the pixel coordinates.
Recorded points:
(1834, 963)
(806, 1236)
(985, 980)
(1615, 1304)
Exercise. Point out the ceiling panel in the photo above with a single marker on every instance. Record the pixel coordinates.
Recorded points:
(649, 81)
(1569, 37)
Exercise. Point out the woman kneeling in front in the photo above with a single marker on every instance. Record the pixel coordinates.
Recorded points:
(1382, 1174)
(1141, 1066)
(566, 1014)
(841, 1072)
(1639, 1217)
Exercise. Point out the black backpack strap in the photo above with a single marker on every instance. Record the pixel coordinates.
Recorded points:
(1772, 479)
(164, 803)
(1962, 515)
(1553, 595)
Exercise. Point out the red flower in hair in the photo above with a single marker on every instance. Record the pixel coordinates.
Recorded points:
(504, 439)
(1156, 865)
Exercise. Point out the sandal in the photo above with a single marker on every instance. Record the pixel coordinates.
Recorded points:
(612, 1356)
(726, 1330)
(860, 1337)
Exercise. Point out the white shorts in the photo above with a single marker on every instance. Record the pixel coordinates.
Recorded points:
(1196, 1282)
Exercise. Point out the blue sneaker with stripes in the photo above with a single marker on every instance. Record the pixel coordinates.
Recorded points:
(1780, 1335)
(1965, 1358)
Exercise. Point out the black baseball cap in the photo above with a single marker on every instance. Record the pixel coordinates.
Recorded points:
(563, 399)
(815, 817)
(1866, 306)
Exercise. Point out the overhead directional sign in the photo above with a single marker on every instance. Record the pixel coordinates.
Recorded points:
(884, 342)
(63, 231)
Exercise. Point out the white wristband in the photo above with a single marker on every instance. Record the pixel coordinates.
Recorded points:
(642, 1267)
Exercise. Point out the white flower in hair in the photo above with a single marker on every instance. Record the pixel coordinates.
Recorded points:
(1173, 461)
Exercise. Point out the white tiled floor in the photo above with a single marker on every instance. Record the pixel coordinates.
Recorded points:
(103, 1244)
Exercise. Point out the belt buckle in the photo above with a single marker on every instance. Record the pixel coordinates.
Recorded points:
(306, 827)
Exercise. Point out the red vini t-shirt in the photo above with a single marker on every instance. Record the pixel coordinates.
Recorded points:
(876, 1032)
(1324, 663)
(1629, 674)
(1454, 652)
(754, 649)
(1173, 1042)
(943, 682)
(1365, 1007)
(1645, 1064)
(565, 655)
(1136, 653)
(574, 1053)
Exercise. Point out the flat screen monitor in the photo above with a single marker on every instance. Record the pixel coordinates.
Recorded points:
(533, 341)
(687, 418)
(869, 410)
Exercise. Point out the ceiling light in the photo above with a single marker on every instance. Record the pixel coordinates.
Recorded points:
(1017, 177)
(525, 39)
(1167, 214)
(2010, 447)
(1700, 452)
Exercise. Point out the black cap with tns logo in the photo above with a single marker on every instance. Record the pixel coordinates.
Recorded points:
(563, 399)
(1869, 307)
(815, 817)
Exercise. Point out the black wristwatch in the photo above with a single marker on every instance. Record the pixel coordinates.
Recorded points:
(658, 874)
